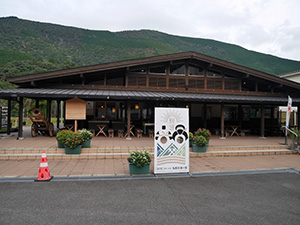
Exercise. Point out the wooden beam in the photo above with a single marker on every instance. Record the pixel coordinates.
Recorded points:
(20, 128)
(204, 115)
(82, 79)
(8, 116)
(128, 120)
(262, 122)
(222, 121)
(49, 110)
(57, 113)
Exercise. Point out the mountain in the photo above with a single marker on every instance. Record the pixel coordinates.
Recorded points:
(32, 47)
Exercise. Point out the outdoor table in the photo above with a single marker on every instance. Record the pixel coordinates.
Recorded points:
(234, 130)
(145, 125)
(130, 130)
(101, 129)
(69, 126)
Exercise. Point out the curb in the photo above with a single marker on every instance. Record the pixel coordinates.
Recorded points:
(151, 176)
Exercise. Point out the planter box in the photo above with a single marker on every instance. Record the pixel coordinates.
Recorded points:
(60, 145)
(76, 150)
(87, 144)
(199, 149)
(133, 169)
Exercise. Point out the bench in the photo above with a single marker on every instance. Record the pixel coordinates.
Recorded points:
(139, 133)
(243, 132)
(120, 133)
(151, 133)
(110, 132)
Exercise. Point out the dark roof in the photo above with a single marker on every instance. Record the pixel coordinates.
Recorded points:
(150, 60)
(141, 95)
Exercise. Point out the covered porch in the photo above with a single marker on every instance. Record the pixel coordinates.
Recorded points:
(225, 115)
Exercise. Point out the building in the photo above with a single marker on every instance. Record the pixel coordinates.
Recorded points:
(219, 94)
(293, 76)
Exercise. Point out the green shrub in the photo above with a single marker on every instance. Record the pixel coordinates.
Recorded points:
(139, 158)
(86, 134)
(200, 141)
(62, 135)
(73, 140)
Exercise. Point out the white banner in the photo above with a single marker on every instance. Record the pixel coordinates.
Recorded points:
(171, 153)
(288, 113)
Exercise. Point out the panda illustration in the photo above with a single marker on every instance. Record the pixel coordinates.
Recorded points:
(179, 134)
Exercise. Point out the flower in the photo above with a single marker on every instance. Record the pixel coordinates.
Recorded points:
(200, 141)
(139, 158)
(86, 134)
(203, 132)
(73, 140)
(191, 136)
(62, 135)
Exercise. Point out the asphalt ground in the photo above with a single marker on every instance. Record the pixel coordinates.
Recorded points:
(267, 198)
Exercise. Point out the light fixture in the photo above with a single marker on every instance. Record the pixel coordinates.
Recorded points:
(187, 106)
(113, 110)
(136, 106)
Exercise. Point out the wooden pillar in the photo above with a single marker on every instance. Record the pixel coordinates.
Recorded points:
(272, 121)
(64, 115)
(128, 120)
(262, 122)
(240, 113)
(49, 110)
(37, 103)
(298, 117)
(204, 115)
(20, 128)
(8, 116)
(222, 121)
(57, 113)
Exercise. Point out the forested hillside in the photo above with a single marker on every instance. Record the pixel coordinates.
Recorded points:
(32, 47)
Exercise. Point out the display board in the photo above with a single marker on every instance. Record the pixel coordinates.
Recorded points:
(171, 153)
(75, 109)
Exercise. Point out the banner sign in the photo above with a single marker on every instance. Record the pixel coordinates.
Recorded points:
(288, 113)
(171, 145)
(4, 116)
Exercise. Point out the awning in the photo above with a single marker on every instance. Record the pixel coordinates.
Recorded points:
(62, 94)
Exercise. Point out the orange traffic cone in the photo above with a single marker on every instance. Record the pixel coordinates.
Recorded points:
(44, 174)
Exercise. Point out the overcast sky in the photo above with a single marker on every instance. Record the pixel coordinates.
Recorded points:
(267, 26)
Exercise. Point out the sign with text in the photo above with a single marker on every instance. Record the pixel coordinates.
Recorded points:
(75, 109)
(171, 145)
(4, 116)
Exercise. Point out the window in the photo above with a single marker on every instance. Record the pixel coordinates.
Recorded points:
(158, 69)
(157, 81)
(213, 74)
(177, 69)
(178, 83)
(198, 84)
(137, 80)
(196, 71)
(115, 79)
(141, 70)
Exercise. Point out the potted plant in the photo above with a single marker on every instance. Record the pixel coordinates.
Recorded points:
(139, 162)
(73, 143)
(191, 137)
(199, 144)
(203, 132)
(61, 137)
(87, 137)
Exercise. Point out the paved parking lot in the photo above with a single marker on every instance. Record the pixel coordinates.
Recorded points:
(232, 199)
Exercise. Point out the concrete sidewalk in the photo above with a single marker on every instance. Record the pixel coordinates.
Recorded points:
(119, 167)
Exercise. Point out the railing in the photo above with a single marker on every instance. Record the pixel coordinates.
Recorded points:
(293, 147)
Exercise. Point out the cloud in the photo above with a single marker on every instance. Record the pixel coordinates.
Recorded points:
(270, 26)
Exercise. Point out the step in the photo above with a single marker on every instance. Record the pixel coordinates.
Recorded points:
(117, 155)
